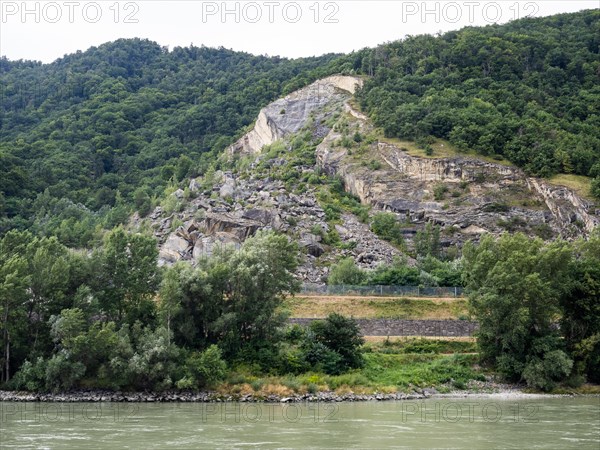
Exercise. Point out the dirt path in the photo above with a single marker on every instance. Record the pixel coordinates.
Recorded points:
(378, 307)
(334, 298)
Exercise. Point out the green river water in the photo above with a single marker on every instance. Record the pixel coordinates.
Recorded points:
(480, 423)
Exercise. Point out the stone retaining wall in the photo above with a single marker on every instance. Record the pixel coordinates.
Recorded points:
(401, 327)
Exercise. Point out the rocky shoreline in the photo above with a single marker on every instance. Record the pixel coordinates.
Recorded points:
(215, 397)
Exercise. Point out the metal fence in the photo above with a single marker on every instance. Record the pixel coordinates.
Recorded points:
(407, 291)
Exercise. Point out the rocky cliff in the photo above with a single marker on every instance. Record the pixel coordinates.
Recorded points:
(213, 222)
(291, 113)
(473, 196)
(465, 195)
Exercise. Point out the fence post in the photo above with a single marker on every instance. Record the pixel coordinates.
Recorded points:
(455, 292)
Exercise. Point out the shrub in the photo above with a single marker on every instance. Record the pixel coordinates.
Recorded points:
(544, 373)
(427, 241)
(543, 230)
(291, 360)
(321, 357)
(341, 335)
(142, 201)
(186, 383)
(31, 376)
(207, 367)
(439, 191)
(374, 164)
(398, 273)
(346, 272)
(386, 226)
(61, 373)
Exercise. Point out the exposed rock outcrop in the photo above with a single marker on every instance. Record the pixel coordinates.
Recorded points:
(566, 206)
(268, 207)
(466, 196)
(477, 196)
(291, 113)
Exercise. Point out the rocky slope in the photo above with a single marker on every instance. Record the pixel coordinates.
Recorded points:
(473, 196)
(466, 196)
(211, 222)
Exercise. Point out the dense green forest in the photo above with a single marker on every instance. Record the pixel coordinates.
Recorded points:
(528, 91)
(85, 138)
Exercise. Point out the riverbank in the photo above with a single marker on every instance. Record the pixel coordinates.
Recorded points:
(499, 392)
(399, 369)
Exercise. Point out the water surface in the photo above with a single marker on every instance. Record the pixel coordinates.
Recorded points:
(548, 423)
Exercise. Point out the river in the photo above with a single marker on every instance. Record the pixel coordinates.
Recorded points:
(486, 422)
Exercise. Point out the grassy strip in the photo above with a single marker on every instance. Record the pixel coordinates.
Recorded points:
(441, 149)
(421, 345)
(381, 308)
(578, 183)
(383, 373)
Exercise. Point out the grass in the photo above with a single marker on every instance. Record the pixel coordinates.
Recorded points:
(403, 371)
(382, 373)
(578, 183)
(441, 149)
(423, 346)
(378, 307)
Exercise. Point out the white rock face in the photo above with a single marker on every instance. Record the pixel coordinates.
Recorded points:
(173, 249)
(565, 204)
(289, 114)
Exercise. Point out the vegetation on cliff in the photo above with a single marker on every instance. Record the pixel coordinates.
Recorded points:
(526, 91)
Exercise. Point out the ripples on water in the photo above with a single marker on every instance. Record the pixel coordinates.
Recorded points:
(550, 423)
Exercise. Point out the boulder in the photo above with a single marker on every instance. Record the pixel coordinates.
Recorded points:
(174, 249)
(228, 223)
(311, 242)
(227, 190)
(194, 186)
(206, 245)
(261, 215)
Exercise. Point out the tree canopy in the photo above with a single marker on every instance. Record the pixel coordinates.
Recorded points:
(88, 138)
(527, 91)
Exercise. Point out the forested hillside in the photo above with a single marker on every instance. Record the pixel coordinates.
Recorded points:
(528, 91)
(84, 138)
(95, 135)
